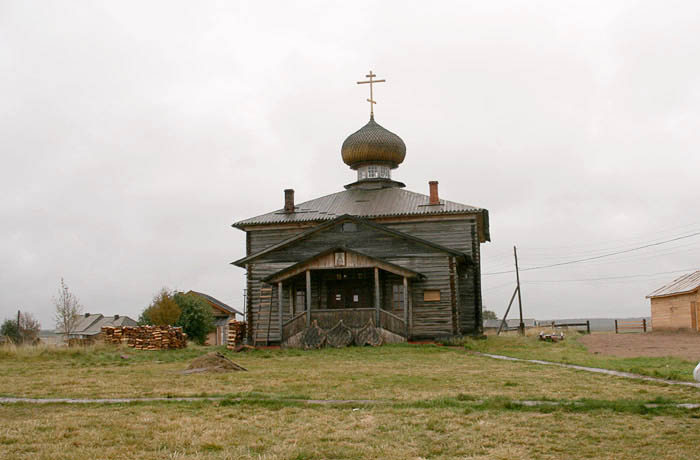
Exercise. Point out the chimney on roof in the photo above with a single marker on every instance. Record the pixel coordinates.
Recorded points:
(116, 316)
(434, 198)
(289, 200)
(87, 314)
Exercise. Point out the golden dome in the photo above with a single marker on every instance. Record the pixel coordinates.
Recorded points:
(371, 144)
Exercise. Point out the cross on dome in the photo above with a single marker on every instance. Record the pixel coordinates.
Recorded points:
(371, 82)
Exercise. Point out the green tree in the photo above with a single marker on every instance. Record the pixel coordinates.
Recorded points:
(162, 311)
(196, 318)
(26, 332)
(488, 314)
(10, 331)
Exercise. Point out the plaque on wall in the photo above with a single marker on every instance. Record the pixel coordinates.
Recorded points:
(339, 259)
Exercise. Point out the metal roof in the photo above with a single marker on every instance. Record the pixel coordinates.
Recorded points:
(373, 143)
(687, 283)
(92, 323)
(361, 203)
(217, 302)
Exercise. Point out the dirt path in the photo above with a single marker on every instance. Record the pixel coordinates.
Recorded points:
(597, 370)
(323, 402)
(678, 344)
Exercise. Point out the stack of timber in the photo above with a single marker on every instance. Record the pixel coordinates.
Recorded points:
(146, 337)
(236, 334)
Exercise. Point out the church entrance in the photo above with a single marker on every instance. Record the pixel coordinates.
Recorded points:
(349, 289)
(349, 294)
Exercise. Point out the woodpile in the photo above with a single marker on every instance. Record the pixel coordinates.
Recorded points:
(146, 337)
(236, 334)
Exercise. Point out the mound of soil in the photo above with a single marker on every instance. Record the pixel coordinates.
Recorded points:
(212, 362)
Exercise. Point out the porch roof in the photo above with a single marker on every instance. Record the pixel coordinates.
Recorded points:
(325, 260)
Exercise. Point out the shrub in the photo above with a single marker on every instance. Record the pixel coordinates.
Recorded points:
(196, 318)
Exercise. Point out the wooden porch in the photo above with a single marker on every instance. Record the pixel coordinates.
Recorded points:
(354, 295)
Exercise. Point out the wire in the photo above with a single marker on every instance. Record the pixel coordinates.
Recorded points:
(608, 277)
(596, 257)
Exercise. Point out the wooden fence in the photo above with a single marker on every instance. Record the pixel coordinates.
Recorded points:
(587, 324)
(630, 326)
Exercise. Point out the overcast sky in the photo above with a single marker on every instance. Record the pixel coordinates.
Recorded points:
(132, 134)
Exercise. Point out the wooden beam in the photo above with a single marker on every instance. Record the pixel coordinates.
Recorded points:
(405, 304)
(376, 294)
(308, 298)
(280, 294)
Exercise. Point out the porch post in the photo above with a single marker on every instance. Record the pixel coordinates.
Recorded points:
(280, 294)
(405, 305)
(376, 295)
(308, 298)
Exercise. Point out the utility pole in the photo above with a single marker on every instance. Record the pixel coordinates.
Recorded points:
(520, 302)
(18, 320)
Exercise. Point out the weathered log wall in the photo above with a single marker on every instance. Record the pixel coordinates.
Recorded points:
(430, 318)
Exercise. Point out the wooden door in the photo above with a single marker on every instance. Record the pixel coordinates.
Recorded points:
(348, 294)
(357, 295)
(695, 315)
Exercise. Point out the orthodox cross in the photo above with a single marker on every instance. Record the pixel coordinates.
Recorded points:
(371, 82)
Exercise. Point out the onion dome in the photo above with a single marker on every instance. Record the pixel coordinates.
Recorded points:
(373, 144)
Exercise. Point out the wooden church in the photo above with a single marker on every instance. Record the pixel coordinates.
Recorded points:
(405, 261)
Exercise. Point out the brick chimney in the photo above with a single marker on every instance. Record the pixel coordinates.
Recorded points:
(434, 198)
(289, 200)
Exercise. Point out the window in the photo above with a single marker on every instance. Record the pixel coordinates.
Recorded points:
(431, 295)
(372, 172)
(300, 301)
(384, 172)
(397, 300)
(349, 227)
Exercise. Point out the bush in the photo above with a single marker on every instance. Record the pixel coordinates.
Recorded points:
(27, 332)
(196, 318)
(163, 311)
(10, 331)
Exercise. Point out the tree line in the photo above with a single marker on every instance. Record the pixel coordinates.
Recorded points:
(172, 308)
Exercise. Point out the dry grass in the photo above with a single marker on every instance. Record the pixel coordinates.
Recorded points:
(574, 351)
(439, 403)
(216, 431)
(401, 372)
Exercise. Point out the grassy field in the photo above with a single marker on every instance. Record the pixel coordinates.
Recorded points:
(571, 351)
(426, 402)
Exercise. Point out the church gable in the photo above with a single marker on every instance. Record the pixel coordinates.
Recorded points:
(352, 233)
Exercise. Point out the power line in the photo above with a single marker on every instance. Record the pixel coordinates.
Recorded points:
(596, 257)
(610, 277)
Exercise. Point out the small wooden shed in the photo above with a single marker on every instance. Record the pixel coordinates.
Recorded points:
(676, 306)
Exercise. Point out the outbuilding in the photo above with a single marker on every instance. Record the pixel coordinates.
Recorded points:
(676, 306)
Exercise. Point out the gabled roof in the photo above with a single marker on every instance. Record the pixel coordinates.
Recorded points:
(337, 220)
(292, 270)
(384, 202)
(92, 323)
(683, 285)
(216, 303)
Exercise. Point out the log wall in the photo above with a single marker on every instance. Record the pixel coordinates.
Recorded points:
(429, 318)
